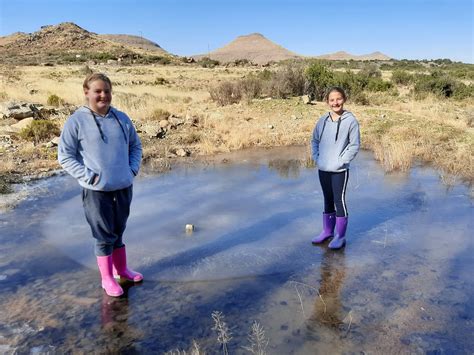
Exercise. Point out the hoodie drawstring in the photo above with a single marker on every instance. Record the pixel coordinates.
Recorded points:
(120, 124)
(324, 126)
(337, 131)
(100, 129)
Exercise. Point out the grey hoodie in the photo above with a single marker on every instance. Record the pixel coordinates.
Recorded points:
(335, 143)
(108, 147)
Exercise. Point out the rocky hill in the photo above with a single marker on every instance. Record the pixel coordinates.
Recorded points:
(66, 41)
(135, 41)
(253, 47)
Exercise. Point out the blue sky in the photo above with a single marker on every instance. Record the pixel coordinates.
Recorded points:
(411, 29)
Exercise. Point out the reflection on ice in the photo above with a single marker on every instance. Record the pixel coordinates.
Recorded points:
(247, 217)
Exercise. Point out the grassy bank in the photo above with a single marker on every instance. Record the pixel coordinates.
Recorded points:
(399, 126)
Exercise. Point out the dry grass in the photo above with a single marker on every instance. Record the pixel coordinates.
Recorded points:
(432, 130)
(399, 138)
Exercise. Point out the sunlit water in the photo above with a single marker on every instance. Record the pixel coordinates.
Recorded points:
(403, 284)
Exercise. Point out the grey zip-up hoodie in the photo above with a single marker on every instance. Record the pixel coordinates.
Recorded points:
(335, 143)
(108, 147)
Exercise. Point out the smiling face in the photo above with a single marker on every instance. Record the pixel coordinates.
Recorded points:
(336, 102)
(99, 96)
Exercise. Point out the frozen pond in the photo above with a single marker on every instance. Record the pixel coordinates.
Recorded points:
(403, 284)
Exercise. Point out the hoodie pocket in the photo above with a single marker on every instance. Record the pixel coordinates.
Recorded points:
(342, 164)
(89, 175)
(115, 178)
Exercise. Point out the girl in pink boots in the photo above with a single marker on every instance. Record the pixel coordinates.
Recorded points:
(335, 143)
(99, 147)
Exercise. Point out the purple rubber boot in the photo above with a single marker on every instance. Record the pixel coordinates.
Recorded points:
(339, 239)
(329, 221)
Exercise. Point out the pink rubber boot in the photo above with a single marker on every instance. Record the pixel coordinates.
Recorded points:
(119, 257)
(111, 287)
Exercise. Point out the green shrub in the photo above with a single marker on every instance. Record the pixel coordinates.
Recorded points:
(102, 56)
(319, 78)
(40, 131)
(155, 59)
(265, 74)
(378, 85)
(207, 62)
(353, 84)
(55, 100)
(437, 83)
(463, 91)
(404, 64)
(402, 77)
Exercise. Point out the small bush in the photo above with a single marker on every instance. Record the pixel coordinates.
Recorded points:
(85, 70)
(226, 93)
(160, 81)
(5, 187)
(402, 77)
(159, 115)
(289, 81)
(265, 74)
(250, 88)
(155, 59)
(55, 100)
(371, 71)
(242, 62)
(360, 98)
(207, 62)
(192, 138)
(40, 131)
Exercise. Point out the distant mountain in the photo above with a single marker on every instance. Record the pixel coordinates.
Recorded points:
(56, 42)
(135, 41)
(253, 47)
(341, 55)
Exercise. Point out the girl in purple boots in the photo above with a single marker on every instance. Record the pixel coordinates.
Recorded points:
(335, 143)
(99, 147)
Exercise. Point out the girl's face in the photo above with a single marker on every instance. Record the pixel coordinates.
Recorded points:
(336, 101)
(99, 96)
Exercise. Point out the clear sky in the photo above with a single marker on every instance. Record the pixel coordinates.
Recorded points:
(410, 29)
